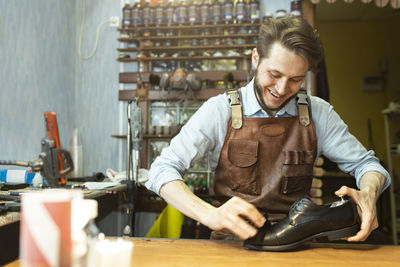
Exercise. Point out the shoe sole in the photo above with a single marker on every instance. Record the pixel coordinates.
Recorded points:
(332, 235)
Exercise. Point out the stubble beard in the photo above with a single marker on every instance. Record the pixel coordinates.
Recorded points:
(259, 92)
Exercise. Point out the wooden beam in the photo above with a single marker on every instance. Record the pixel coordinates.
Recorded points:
(173, 95)
(238, 75)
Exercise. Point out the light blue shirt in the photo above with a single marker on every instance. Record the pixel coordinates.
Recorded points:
(205, 133)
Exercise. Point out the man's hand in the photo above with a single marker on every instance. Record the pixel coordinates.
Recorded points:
(366, 207)
(371, 185)
(231, 216)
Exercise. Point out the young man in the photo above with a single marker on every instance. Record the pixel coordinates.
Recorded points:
(263, 141)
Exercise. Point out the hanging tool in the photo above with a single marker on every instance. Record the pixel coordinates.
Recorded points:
(179, 80)
(134, 138)
(137, 136)
(128, 142)
(52, 132)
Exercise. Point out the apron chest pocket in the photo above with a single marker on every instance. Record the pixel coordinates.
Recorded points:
(243, 174)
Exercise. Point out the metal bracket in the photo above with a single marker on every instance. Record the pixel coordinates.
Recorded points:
(302, 99)
(233, 97)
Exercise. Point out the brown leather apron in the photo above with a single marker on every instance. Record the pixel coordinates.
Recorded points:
(267, 162)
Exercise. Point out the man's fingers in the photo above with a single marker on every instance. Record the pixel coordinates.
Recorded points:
(239, 227)
(365, 229)
(360, 236)
(350, 192)
(234, 216)
(248, 210)
(343, 191)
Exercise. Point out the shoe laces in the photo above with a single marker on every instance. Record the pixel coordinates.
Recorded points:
(299, 204)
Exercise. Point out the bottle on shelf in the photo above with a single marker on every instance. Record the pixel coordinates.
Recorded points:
(182, 13)
(241, 18)
(152, 14)
(205, 8)
(204, 188)
(295, 8)
(146, 14)
(197, 187)
(267, 16)
(227, 11)
(170, 20)
(205, 18)
(254, 11)
(190, 185)
(126, 20)
(280, 13)
(216, 13)
(253, 16)
(169, 13)
(227, 17)
(195, 41)
(159, 14)
(217, 18)
(218, 31)
(240, 11)
(159, 21)
(136, 16)
(194, 12)
(205, 41)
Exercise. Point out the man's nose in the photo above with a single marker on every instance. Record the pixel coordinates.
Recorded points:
(281, 86)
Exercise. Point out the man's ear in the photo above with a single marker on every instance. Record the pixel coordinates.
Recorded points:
(255, 58)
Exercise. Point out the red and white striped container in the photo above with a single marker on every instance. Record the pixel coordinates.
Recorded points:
(45, 237)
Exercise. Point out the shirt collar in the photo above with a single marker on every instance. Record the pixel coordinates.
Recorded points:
(251, 105)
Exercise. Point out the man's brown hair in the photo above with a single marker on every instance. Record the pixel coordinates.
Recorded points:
(294, 34)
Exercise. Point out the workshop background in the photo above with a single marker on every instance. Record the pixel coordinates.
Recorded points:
(41, 70)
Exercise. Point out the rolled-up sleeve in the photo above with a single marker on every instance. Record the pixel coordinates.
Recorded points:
(340, 146)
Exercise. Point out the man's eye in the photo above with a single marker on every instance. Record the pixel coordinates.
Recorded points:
(296, 80)
(273, 75)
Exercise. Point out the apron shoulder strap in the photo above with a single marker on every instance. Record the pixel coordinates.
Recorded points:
(234, 99)
(304, 107)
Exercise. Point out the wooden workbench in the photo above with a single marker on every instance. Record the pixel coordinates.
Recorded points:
(187, 252)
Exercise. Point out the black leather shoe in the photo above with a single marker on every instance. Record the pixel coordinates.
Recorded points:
(305, 221)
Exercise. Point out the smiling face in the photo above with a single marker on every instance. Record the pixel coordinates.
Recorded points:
(278, 76)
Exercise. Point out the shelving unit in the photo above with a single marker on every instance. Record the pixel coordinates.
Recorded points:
(147, 95)
(389, 117)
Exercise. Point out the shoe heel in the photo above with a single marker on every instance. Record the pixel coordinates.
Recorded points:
(342, 233)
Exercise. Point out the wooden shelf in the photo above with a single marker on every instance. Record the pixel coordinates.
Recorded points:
(180, 37)
(146, 136)
(119, 136)
(202, 170)
(173, 48)
(189, 27)
(213, 76)
(160, 95)
(194, 58)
